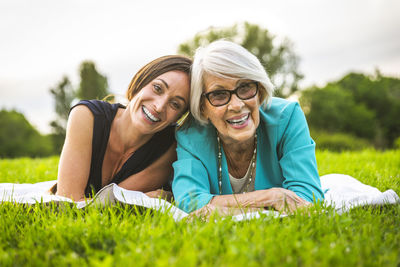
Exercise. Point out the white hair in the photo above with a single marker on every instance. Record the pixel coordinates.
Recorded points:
(227, 60)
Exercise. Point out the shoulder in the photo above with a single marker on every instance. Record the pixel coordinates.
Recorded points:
(80, 125)
(196, 136)
(98, 107)
(278, 111)
(80, 114)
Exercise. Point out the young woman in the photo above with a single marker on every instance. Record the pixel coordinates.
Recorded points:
(132, 146)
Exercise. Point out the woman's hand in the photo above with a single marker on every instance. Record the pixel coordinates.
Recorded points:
(159, 193)
(208, 210)
(281, 199)
(278, 198)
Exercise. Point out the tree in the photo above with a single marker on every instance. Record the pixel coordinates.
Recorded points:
(18, 138)
(63, 95)
(380, 94)
(333, 110)
(363, 105)
(278, 58)
(93, 85)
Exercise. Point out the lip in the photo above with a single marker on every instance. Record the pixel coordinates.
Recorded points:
(238, 117)
(239, 122)
(151, 118)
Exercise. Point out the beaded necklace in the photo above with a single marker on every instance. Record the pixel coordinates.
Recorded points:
(252, 163)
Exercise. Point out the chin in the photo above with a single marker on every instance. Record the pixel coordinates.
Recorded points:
(245, 136)
(239, 137)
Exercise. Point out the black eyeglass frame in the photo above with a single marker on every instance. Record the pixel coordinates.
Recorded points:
(231, 92)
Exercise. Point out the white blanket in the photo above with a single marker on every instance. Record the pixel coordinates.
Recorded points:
(343, 192)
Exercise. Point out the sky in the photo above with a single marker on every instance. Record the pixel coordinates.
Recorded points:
(43, 40)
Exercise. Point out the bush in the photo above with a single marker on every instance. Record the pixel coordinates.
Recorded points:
(338, 141)
(364, 106)
(18, 138)
(397, 143)
(334, 110)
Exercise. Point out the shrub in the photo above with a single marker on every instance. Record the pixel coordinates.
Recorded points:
(397, 143)
(18, 138)
(338, 141)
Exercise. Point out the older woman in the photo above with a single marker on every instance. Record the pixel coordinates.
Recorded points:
(244, 148)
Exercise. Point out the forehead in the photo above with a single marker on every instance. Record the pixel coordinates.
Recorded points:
(211, 82)
(174, 77)
(177, 82)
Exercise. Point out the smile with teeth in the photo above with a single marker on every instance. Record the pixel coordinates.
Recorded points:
(150, 116)
(239, 121)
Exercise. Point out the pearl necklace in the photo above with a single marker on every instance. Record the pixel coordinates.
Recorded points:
(252, 163)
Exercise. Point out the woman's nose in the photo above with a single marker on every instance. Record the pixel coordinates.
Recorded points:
(160, 103)
(236, 103)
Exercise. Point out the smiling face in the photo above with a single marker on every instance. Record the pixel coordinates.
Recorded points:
(236, 121)
(161, 102)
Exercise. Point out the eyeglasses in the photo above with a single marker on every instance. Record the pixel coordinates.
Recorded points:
(243, 91)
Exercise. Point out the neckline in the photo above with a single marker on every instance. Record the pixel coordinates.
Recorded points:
(219, 167)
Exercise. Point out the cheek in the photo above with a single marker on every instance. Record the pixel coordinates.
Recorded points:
(216, 116)
(256, 115)
(207, 112)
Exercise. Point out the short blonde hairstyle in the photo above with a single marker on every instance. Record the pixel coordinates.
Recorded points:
(227, 60)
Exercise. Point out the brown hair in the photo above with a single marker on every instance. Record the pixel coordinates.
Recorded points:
(156, 68)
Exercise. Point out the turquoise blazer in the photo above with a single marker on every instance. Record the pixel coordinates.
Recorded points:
(285, 158)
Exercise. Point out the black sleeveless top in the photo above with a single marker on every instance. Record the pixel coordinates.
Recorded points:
(104, 114)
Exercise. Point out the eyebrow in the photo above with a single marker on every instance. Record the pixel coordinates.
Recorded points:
(219, 87)
(181, 98)
(166, 85)
(164, 82)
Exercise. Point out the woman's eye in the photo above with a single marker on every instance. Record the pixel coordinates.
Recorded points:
(175, 105)
(157, 88)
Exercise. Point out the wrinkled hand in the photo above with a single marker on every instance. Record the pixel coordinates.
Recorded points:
(210, 209)
(283, 200)
(159, 193)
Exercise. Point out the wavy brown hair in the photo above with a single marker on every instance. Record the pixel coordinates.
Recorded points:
(156, 68)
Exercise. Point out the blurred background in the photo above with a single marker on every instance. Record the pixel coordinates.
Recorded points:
(340, 59)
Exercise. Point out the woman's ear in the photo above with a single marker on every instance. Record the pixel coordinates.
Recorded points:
(202, 112)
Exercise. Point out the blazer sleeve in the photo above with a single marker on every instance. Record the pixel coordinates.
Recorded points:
(297, 156)
(191, 186)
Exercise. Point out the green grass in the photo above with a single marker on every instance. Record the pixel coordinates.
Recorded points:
(119, 236)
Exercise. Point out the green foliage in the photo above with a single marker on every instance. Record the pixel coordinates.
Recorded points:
(63, 95)
(338, 141)
(279, 60)
(62, 235)
(333, 109)
(18, 138)
(93, 85)
(397, 143)
(364, 106)
(381, 95)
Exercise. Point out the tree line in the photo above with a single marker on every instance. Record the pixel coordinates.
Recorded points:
(18, 138)
(354, 112)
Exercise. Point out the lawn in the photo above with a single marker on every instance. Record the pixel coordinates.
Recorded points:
(120, 236)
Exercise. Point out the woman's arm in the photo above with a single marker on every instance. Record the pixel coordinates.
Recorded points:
(154, 176)
(278, 198)
(75, 159)
(296, 152)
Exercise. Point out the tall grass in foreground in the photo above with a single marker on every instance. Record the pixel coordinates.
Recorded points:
(62, 235)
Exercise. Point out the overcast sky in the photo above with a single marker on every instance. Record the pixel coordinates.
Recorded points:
(42, 40)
